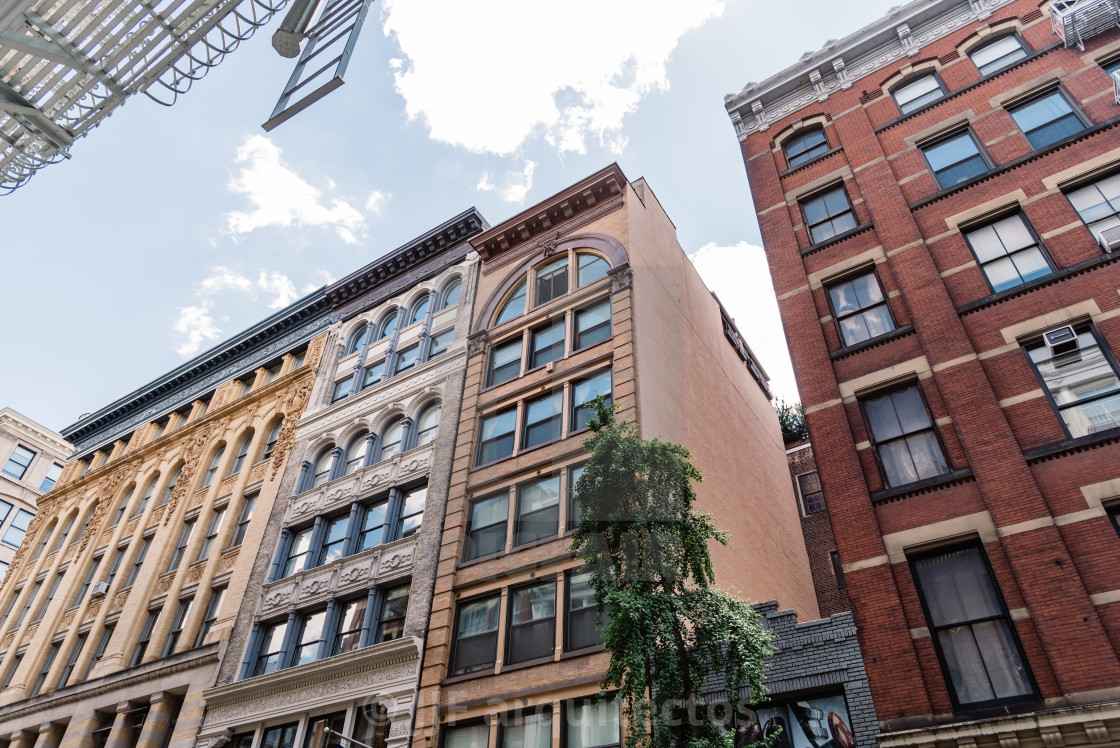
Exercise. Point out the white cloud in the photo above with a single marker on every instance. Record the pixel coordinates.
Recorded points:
(281, 197)
(376, 201)
(278, 284)
(222, 279)
(197, 325)
(740, 278)
(517, 183)
(576, 86)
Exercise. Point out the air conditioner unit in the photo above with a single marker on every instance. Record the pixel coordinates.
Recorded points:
(1061, 341)
(99, 589)
(1110, 239)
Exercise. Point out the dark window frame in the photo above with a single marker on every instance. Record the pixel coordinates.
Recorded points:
(382, 615)
(946, 137)
(837, 318)
(893, 387)
(526, 424)
(568, 612)
(806, 154)
(512, 434)
(1023, 47)
(469, 532)
(805, 511)
(510, 625)
(456, 641)
(1026, 101)
(914, 79)
(578, 335)
(518, 515)
(547, 354)
(822, 195)
(563, 270)
(490, 355)
(992, 221)
(565, 721)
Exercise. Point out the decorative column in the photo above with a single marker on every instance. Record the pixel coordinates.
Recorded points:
(392, 515)
(329, 624)
(157, 722)
(281, 553)
(301, 481)
(121, 732)
(316, 544)
(352, 533)
(371, 445)
(251, 651)
(369, 620)
(406, 434)
(288, 647)
(50, 735)
(22, 739)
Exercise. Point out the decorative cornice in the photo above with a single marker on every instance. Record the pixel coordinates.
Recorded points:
(243, 353)
(900, 34)
(16, 421)
(541, 224)
(396, 265)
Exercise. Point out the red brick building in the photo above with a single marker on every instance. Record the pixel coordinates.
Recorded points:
(938, 195)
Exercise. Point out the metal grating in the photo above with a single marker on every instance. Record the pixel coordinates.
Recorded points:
(65, 65)
(1074, 21)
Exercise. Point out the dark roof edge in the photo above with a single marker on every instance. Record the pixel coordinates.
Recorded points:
(448, 234)
(315, 303)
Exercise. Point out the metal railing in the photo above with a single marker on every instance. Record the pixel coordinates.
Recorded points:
(1074, 21)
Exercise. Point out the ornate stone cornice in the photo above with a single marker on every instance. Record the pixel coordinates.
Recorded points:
(543, 225)
(900, 34)
(20, 423)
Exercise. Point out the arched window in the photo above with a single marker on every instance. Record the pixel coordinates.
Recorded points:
(388, 325)
(451, 294)
(43, 543)
(391, 440)
(123, 504)
(514, 306)
(65, 532)
(551, 281)
(357, 338)
(428, 425)
(356, 453)
(85, 523)
(166, 497)
(916, 93)
(271, 439)
(591, 269)
(242, 453)
(420, 309)
(321, 470)
(997, 54)
(213, 469)
(146, 497)
(805, 147)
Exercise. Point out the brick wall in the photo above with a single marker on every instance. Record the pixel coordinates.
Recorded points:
(819, 540)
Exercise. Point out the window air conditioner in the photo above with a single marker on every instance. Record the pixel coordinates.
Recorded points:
(1110, 239)
(99, 589)
(1061, 341)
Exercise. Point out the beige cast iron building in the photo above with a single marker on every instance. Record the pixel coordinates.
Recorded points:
(117, 606)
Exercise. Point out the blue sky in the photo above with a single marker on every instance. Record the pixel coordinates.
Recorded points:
(173, 228)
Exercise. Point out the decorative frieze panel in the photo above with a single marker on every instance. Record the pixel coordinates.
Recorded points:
(256, 475)
(414, 463)
(228, 560)
(377, 566)
(93, 610)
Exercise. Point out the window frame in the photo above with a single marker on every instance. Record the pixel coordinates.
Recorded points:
(178, 623)
(213, 529)
(574, 407)
(510, 625)
(801, 493)
(519, 515)
(890, 389)
(469, 531)
(186, 532)
(512, 434)
(565, 721)
(456, 640)
(1027, 52)
(805, 155)
(942, 550)
(569, 575)
(432, 351)
(339, 632)
(945, 138)
(12, 459)
(491, 354)
(523, 444)
(53, 480)
(850, 277)
(263, 656)
(1093, 182)
(990, 223)
(821, 195)
(577, 334)
(555, 268)
(248, 504)
(383, 617)
(1026, 101)
(213, 606)
(538, 357)
(140, 649)
(912, 79)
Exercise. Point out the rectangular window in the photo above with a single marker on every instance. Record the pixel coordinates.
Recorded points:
(486, 531)
(316, 735)
(581, 630)
(532, 622)
(17, 531)
(271, 653)
(954, 159)
(51, 477)
(349, 636)
(298, 550)
(393, 612)
(60, 538)
(828, 214)
(310, 638)
(145, 637)
(1047, 119)
(439, 343)
(281, 736)
(371, 375)
(11, 604)
(971, 629)
(999, 54)
(1098, 205)
(170, 488)
(476, 636)
(47, 600)
(371, 726)
(1008, 252)
(5, 510)
(860, 308)
(181, 546)
(37, 686)
(72, 660)
(917, 93)
(114, 567)
(341, 389)
(412, 512)
(27, 605)
(1080, 378)
(406, 359)
(538, 510)
(574, 514)
(546, 342)
(592, 324)
(177, 624)
(468, 736)
(527, 729)
(504, 362)
(904, 436)
(18, 463)
(102, 645)
(243, 520)
(591, 724)
(334, 539)
(372, 531)
(552, 281)
(812, 497)
(212, 531)
(584, 392)
(3, 570)
(140, 554)
(543, 419)
(496, 432)
(212, 609)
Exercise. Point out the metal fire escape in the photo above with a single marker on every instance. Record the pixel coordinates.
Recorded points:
(1074, 21)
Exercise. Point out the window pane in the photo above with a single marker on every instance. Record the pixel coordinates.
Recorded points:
(878, 321)
(910, 408)
(451, 295)
(497, 435)
(552, 281)
(998, 54)
(844, 299)
(926, 453)
(1045, 120)
(487, 532)
(957, 587)
(391, 440)
(505, 362)
(881, 418)
(917, 93)
(547, 343)
(591, 269)
(542, 419)
(514, 307)
(528, 730)
(955, 150)
(406, 359)
(421, 309)
(538, 511)
(593, 324)
(584, 392)
(388, 325)
(532, 622)
(470, 736)
(592, 724)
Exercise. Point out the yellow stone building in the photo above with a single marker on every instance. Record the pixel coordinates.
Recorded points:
(117, 607)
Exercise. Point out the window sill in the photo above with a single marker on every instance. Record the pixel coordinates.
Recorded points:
(936, 483)
(569, 654)
(467, 676)
(815, 160)
(503, 553)
(1052, 278)
(1072, 446)
(851, 350)
(967, 87)
(1011, 165)
(836, 239)
(548, 659)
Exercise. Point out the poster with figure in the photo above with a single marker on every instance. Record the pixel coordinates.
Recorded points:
(809, 722)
